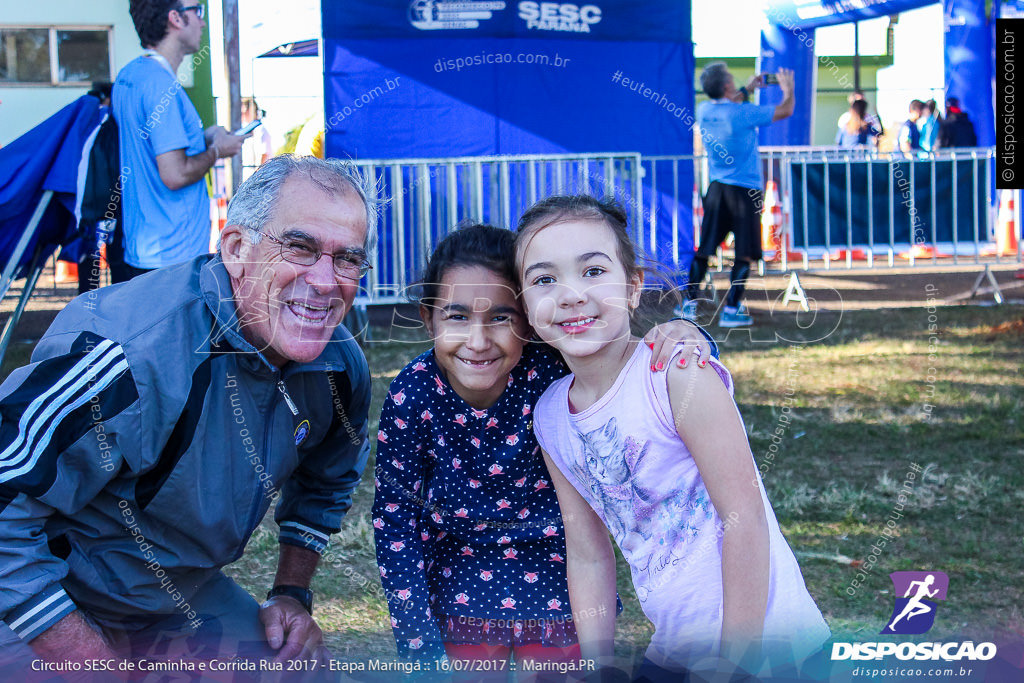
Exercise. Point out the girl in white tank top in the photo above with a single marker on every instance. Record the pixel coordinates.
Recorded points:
(659, 460)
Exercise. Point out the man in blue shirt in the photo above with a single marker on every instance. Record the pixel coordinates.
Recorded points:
(164, 149)
(928, 124)
(728, 127)
(910, 136)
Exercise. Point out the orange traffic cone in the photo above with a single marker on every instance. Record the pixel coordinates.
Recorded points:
(66, 272)
(698, 215)
(773, 224)
(854, 255)
(923, 251)
(218, 219)
(1006, 225)
(222, 213)
(771, 220)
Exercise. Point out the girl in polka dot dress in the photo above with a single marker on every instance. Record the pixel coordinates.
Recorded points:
(468, 532)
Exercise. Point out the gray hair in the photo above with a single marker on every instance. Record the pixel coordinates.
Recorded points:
(713, 79)
(254, 202)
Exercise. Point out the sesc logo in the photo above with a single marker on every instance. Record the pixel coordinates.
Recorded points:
(914, 613)
(559, 16)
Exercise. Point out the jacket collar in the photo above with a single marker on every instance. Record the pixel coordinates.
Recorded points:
(215, 288)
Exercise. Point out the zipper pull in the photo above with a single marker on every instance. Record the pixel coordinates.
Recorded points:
(287, 399)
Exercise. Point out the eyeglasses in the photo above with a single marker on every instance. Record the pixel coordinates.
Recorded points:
(350, 264)
(198, 9)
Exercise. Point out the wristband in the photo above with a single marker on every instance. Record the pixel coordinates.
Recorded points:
(303, 595)
(744, 92)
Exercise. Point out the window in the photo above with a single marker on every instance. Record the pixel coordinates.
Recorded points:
(25, 57)
(54, 55)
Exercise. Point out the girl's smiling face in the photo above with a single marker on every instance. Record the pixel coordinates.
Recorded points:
(479, 331)
(576, 290)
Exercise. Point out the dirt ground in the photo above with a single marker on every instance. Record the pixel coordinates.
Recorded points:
(835, 289)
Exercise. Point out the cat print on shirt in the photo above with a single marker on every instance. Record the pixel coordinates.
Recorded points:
(611, 469)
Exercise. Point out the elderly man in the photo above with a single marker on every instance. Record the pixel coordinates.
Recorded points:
(728, 127)
(158, 421)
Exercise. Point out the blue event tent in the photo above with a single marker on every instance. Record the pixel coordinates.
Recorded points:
(788, 41)
(478, 77)
(39, 180)
(434, 79)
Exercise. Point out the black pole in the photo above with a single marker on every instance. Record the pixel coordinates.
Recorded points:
(856, 56)
(230, 9)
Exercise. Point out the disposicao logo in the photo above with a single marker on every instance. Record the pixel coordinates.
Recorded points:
(914, 612)
(917, 595)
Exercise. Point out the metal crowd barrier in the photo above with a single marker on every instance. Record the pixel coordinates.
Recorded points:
(894, 180)
(422, 200)
(839, 207)
(894, 208)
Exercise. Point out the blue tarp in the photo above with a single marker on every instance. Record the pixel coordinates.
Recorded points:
(807, 14)
(446, 79)
(45, 158)
(439, 96)
(958, 202)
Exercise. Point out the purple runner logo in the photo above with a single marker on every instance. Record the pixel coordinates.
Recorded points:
(914, 612)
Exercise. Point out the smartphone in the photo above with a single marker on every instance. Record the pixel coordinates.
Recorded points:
(248, 129)
(769, 79)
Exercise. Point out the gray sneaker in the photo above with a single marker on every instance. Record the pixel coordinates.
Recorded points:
(688, 311)
(738, 319)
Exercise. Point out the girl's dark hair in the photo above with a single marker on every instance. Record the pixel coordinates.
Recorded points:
(471, 244)
(101, 90)
(560, 208)
(150, 19)
(858, 115)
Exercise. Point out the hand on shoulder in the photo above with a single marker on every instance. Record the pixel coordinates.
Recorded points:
(690, 383)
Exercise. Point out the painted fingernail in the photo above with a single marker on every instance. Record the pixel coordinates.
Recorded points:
(651, 345)
(682, 363)
(660, 365)
(702, 363)
(652, 367)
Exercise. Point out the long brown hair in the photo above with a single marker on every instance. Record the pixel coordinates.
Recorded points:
(858, 116)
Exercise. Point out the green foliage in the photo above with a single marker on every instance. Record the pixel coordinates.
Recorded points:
(291, 138)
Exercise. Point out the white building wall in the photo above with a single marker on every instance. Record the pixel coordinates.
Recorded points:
(24, 107)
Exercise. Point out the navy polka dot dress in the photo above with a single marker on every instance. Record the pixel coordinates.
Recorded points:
(468, 532)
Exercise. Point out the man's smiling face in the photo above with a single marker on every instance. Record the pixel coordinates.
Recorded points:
(289, 311)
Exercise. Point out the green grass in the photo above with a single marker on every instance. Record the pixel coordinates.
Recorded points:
(857, 422)
(856, 400)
